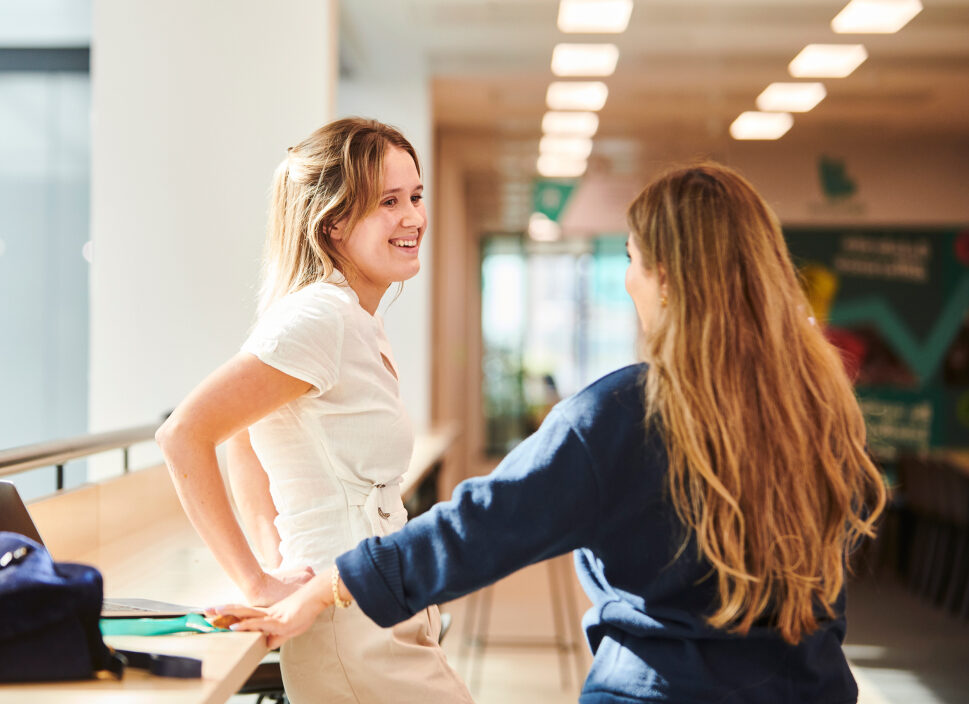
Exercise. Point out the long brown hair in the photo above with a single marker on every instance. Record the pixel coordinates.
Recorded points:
(765, 437)
(333, 176)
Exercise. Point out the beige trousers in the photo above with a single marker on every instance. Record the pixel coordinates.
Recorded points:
(345, 658)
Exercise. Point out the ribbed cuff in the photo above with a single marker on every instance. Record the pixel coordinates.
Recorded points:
(371, 572)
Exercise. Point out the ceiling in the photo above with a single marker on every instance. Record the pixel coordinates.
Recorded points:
(686, 69)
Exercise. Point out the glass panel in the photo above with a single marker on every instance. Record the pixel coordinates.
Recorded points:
(503, 325)
(44, 215)
(555, 317)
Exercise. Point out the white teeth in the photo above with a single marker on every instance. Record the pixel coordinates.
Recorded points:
(404, 243)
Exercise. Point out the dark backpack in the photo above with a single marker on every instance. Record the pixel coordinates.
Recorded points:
(49, 613)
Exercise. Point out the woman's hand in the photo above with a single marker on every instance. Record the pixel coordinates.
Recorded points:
(284, 619)
(276, 585)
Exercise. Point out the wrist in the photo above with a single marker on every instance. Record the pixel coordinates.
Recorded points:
(344, 592)
(340, 596)
(320, 591)
(253, 583)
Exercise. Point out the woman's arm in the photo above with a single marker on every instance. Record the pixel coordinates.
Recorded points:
(543, 500)
(232, 398)
(249, 484)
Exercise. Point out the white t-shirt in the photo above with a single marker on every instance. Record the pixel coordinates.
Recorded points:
(335, 455)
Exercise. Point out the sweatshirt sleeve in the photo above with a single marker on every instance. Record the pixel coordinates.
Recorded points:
(541, 501)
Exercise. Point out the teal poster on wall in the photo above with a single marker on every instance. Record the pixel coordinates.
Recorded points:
(896, 302)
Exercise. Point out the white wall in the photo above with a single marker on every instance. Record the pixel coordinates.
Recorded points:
(404, 101)
(194, 105)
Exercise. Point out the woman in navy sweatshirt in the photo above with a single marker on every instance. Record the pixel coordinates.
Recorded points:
(710, 495)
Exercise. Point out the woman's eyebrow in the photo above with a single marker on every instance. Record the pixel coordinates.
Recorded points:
(391, 191)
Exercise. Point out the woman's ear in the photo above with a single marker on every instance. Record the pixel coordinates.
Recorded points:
(661, 278)
(335, 231)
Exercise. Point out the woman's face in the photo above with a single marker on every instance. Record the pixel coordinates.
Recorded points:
(643, 286)
(383, 247)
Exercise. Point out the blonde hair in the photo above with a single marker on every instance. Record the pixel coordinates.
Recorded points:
(766, 442)
(332, 177)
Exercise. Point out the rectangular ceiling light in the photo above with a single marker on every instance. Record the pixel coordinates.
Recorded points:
(542, 229)
(581, 95)
(555, 166)
(584, 59)
(827, 60)
(572, 147)
(594, 16)
(574, 124)
(875, 16)
(761, 125)
(791, 97)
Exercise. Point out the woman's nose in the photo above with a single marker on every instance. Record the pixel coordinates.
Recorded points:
(413, 216)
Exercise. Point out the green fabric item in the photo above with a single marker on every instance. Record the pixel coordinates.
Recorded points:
(190, 623)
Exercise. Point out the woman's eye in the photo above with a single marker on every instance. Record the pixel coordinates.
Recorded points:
(390, 202)
(416, 199)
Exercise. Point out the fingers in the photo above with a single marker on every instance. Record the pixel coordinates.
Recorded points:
(299, 575)
(267, 626)
(273, 642)
(239, 610)
(250, 619)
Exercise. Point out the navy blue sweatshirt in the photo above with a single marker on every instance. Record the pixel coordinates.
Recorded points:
(593, 480)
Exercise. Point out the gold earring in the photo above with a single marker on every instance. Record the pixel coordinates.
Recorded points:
(663, 301)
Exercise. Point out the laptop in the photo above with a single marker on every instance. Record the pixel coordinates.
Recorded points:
(15, 517)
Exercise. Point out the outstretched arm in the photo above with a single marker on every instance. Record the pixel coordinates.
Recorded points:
(232, 398)
(543, 500)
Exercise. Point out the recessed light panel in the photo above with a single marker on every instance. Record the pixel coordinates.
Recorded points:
(594, 16)
(584, 95)
(875, 16)
(584, 59)
(790, 97)
(575, 124)
(761, 125)
(542, 229)
(827, 60)
(555, 166)
(573, 147)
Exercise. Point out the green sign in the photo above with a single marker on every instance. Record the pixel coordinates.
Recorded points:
(551, 197)
(836, 184)
(896, 302)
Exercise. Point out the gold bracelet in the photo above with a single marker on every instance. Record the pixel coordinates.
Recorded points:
(335, 582)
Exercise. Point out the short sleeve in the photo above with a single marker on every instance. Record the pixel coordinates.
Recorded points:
(301, 335)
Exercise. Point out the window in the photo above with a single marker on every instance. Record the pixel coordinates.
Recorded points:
(555, 317)
(45, 99)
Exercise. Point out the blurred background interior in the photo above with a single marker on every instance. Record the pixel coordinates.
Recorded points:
(137, 141)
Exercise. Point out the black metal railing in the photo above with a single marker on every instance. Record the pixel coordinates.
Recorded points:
(56, 453)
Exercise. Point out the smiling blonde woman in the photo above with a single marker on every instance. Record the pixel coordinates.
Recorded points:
(318, 436)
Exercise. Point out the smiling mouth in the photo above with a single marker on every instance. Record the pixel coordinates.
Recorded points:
(405, 244)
